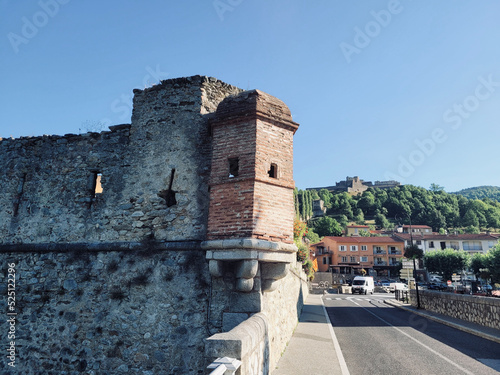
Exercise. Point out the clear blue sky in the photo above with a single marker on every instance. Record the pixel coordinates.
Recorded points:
(382, 89)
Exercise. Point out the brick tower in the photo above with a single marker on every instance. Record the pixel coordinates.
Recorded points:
(251, 181)
(251, 187)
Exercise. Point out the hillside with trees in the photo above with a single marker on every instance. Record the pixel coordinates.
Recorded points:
(481, 192)
(436, 208)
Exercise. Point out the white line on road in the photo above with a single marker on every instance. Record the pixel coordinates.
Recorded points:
(336, 345)
(417, 341)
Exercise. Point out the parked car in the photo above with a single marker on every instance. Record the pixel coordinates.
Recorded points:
(386, 286)
(437, 286)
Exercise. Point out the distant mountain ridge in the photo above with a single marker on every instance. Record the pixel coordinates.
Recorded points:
(481, 192)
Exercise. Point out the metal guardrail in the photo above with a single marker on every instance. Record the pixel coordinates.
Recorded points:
(224, 366)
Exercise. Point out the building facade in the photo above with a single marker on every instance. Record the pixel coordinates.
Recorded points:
(355, 185)
(471, 243)
(378, 256)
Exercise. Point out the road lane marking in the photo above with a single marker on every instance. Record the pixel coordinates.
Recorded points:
(336, 345)
(417, 341)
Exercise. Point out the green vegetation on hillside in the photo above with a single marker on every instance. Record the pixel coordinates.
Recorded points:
(436, 208)
(481, 192)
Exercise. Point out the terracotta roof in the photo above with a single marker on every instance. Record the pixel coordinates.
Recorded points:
(362, 240)
(449, 237)
(417, 226)
(358, 226)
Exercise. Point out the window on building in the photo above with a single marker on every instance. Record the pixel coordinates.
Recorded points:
(354, 248)
(431, 244)
(364, 259)
(353, 259)
(364, 248)
(344, 259)
(472, 245)
(234, 167)
(273, 171)
(342, 248)
(419, 242)
(327, 260)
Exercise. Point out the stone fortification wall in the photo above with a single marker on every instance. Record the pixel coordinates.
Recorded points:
(48, 182)
(124, 312)
(475, 309)
(127, 279)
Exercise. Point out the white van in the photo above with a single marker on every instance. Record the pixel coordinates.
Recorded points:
(362, 285)
(397, 286)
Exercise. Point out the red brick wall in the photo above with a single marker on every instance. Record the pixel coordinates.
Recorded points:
(253, 204)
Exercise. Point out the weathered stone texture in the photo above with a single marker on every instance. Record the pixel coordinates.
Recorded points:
(127, 280)
(96, 312)
(260, 340)
(47, 181)
(475, 309)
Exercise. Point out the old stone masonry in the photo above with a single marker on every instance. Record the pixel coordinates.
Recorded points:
(154, 247)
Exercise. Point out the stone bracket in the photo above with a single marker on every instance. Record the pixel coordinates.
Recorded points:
(247, 255)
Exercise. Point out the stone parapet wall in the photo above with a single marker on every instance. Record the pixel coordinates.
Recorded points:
(475, 309)
(259, 341)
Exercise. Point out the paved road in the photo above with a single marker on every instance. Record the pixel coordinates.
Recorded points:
(376, 338)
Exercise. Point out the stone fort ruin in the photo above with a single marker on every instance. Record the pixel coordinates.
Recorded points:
(157, 246)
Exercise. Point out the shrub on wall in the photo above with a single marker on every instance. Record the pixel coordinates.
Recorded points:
(302, 253)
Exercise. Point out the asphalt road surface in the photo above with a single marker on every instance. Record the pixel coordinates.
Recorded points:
(376, 338)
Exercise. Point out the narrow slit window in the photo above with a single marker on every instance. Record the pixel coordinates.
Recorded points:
(98, 186)
(234, 167)
(273, 171)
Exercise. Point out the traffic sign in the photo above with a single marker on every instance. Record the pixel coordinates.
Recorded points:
(407, 263)
(455, 277)
(406, 273)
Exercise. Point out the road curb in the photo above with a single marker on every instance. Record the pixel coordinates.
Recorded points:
(424, 314)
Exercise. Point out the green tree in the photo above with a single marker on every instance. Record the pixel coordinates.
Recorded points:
(436, 188)
(413, 252)
(471, 229)
(446, 262)
(359, 218)
(327, 226)
(381, 221)
(326, 197)
(493, 263)
(478, 261)
(312, 236)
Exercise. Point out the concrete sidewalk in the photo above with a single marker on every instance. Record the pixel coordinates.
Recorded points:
(312, 348)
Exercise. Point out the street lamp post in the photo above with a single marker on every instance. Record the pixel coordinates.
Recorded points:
(414, 266)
